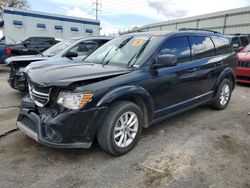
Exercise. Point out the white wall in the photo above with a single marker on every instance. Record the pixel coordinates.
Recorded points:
(29, 27)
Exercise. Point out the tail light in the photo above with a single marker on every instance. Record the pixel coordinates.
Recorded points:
(8, 51)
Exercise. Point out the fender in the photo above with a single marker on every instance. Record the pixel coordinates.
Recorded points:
(129, 91)
(227, 72)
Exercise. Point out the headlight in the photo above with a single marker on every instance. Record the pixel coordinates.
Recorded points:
(74, 100)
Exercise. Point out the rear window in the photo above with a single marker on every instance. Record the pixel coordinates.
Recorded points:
(222, 45)
(244, 41)
(41, 41)
(202, 47)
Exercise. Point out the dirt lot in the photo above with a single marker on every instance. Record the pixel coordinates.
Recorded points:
(201, 148)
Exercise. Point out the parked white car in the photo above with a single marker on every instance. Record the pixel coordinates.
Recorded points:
(72, 50)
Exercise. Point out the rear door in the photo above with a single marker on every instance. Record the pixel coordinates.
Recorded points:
(205, 61)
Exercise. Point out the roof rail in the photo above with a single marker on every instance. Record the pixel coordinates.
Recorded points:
(238, 34)
(195, 29)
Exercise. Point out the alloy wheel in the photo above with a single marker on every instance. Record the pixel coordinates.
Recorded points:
(225, 94)
(126, 129)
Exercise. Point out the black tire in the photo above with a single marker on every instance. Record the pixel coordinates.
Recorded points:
(105, 134)
(216, 104)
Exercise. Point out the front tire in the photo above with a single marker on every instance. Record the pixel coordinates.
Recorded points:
(121, 129)
(223, 95)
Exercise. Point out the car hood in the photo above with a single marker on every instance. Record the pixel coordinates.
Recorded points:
(45, 63)
(22, 58)
(64, 75)
(243, 56)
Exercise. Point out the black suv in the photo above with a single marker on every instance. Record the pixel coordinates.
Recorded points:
(129, 83)
(31, 46)
(27, 46)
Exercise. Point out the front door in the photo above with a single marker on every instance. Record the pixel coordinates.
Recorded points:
(83, 49)
(177, 87)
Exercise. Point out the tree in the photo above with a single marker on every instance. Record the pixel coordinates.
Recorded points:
(22, 4)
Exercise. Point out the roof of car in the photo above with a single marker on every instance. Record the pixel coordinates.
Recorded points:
(93, 37)
(150, 33)
(164, 33)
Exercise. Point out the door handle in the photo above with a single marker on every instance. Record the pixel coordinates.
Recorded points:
(192, 70)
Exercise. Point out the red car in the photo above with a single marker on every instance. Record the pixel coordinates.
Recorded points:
(243, 67)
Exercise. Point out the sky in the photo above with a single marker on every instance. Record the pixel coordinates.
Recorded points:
(121, 15)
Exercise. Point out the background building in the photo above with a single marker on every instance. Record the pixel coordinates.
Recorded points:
(18, 24)
(226, 22)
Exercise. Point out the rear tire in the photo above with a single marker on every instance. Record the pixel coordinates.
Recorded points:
(223, 95)
(121, 129)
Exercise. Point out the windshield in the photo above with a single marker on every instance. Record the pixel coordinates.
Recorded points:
(54, 50)
(247, 48)
(123, 50)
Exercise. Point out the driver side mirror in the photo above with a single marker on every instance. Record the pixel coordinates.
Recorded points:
(70, 55)
(167, 60)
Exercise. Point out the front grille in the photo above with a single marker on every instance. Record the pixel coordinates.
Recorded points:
(243, 77)
(40, 96)
(245, 64)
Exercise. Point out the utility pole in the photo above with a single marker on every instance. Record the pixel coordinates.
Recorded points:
(96, 9)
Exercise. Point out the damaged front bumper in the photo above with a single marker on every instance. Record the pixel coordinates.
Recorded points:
(70, 129)
(18, 81)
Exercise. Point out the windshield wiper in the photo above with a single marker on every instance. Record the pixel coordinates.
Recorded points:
(137, 55)
(120, 46)
(36, 51)
(124, 42)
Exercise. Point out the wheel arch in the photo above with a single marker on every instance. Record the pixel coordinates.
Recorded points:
(228, 73)
(135, 94)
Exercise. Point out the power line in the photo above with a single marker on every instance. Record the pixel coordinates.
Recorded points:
(120, 9)
(88, 10)
(113, 2)
(124, 6)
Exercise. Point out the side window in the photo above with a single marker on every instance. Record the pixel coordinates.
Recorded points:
(41, 41)
(85, 48)
(31, 41)
(102, 42)
(47, 42)
(244, 41)
(222, 45)
(235, 40)
(178, 46)
(202, 47)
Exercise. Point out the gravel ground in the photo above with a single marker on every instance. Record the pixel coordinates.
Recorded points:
(200, 148)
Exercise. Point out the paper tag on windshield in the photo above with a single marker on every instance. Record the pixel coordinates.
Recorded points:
(138, 42)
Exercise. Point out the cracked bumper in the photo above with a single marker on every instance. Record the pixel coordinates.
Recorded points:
(18, 82)
(70, 129)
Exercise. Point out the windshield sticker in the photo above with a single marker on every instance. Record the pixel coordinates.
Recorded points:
(156, 34)
(138, 42)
